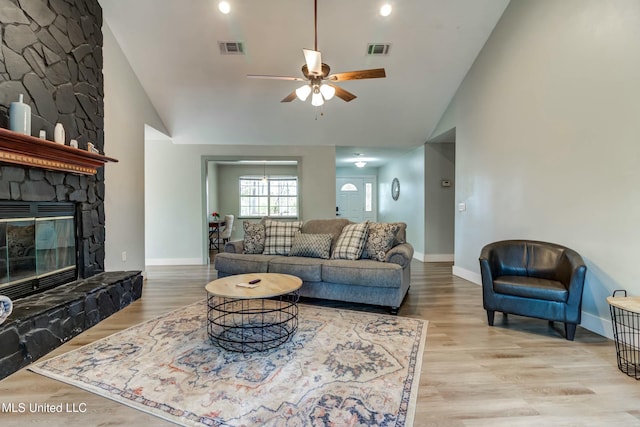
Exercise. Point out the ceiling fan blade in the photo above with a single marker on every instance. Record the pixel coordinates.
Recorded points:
(263, 76)
(314, 61)
(343, 94)
(290, 97)
(374, 73)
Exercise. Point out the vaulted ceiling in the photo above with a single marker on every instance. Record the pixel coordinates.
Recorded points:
(204, 97)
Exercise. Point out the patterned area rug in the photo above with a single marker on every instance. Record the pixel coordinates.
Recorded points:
(341, 368)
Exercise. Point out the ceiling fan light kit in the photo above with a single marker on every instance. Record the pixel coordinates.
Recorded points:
(327, 91)
(316, 73)
(316, 98)
(303, 92)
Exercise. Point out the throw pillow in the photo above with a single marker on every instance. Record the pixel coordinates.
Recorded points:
(311, 245)
(351, 241)
(254, 236)
(379, 240)
(279, 236)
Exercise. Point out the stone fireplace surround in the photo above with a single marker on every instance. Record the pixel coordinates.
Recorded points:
(51, 51)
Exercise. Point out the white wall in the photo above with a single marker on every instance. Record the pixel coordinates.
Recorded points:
(127, 110)
(409, 207)
(176, 232)
(547, 141)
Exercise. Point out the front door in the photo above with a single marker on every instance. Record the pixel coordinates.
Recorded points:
(355, 198)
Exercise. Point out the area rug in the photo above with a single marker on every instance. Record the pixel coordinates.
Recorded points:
(341, 368)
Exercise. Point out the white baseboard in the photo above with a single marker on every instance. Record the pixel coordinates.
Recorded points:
(433, 257)
(469, 275)
(173, 261)
(597, 325)
(438, 258)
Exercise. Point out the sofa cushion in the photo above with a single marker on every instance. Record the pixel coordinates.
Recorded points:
(351, 241)
(254, 237)
(531, 287)
(362, 272)
(311, 245)
(380, 240)
(401, 235)
(242, 263)
(279, 236)
(307, 269)
(325, 226)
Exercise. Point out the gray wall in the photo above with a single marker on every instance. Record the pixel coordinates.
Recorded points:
(424, 204)
(355, 171)
(409, 207)
(439, 164)
(128, 113)
(213, 202)
(547, 141)
(176, 221)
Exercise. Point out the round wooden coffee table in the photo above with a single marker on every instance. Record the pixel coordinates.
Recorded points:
(244, 319)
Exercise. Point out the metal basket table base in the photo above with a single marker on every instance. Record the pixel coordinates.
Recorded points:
(252, 325)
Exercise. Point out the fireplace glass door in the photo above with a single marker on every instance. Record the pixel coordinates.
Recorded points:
(36, 247)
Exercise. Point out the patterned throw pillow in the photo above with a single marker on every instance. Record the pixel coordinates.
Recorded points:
(311, 245)
(254, 236)
(279, 236)
(380, 240)
(351, 241)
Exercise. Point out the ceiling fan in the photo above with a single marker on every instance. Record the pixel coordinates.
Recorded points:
(320, 83)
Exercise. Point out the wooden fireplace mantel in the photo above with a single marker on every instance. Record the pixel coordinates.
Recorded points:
(28, 150)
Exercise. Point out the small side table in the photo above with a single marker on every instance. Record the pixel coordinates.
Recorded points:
(256, 319)
(625, 316)
(214, 233)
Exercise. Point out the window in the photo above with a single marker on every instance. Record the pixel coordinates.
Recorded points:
(368, 197)
(349, 187)
(274, 196)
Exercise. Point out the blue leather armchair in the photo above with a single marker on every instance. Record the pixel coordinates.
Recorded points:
(535, 279)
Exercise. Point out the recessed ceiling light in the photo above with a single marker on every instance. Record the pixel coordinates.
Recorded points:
(361, 164)
(224, 7)
(385, 10)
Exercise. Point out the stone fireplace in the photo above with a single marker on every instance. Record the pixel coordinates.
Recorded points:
(51, 53)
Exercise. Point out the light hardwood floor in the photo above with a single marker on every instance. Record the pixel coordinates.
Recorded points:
(520, 372)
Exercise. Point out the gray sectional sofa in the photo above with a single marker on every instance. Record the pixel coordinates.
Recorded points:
(362, 280)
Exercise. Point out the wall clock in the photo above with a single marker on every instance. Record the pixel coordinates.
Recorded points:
(395, 189)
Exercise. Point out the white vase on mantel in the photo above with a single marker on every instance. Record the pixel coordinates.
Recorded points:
(20, 117)
(58, 134)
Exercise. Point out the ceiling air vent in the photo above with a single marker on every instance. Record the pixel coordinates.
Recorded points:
(231, 48)
(375, 49)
